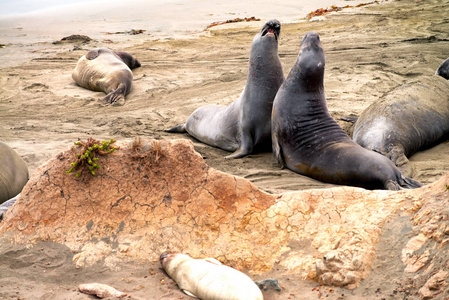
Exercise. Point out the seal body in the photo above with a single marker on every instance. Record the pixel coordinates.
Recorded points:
(106, 71)
(244, 125)
(307, 139)
(208, 279)
(13, 173)
(443, 69)
(409, 118)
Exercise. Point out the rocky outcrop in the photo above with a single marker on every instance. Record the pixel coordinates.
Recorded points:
(154, 196)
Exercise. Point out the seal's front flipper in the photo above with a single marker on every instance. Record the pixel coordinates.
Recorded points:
(277, 151)
(245, 149)
(189, 294)
(177, 129)
(92, 54)
(349, 119)
(117, 96)
(268, 283)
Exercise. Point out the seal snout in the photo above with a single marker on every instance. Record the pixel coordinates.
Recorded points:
(163, 258)
(272, 27)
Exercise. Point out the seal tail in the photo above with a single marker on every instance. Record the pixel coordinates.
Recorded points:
(409, 183)
(177, 129)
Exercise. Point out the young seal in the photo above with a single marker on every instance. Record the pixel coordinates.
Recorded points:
(208, 279)
(244, 125)
(106, 71)
(409, 118)
(13, 173)
(308, 141)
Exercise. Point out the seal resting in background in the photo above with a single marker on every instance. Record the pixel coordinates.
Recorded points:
(309, 141)
(443, 69)
(13, 173)
(244, 125)
(208, 279)
(106, 71)
(410, 118)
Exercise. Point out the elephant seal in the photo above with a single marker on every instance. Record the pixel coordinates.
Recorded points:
(309, 141)
(208, 279)
(6, 205)
(244, 125)
(106, 71)
(410, 118)
(13, 173)
(443, 69)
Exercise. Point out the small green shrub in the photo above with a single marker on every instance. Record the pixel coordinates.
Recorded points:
(87, 158)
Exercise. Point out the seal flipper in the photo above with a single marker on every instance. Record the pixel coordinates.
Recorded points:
(349, 119)
(117, 96)
(177, 129)
(267, 283)
(277, 151)
(409, 183)
(246, 146)
(6, 205)
(189, 294)
(92, 54)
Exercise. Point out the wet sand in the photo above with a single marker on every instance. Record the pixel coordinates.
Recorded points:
(369, 51)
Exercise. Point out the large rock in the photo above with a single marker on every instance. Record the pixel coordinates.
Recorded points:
(162, 196)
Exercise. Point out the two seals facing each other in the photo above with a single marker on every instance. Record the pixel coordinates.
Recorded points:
(307, 139)
(410, 118)
(208, 279)
(106, 71)
(244, 125)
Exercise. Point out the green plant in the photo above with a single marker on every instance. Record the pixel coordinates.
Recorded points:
(87, 158)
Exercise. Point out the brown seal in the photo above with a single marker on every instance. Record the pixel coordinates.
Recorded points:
(106, 71)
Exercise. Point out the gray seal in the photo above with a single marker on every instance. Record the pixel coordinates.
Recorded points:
(106, 71)
(244, 125)
(443, 69)
(309, 141)
(13, 173)
(410, 118)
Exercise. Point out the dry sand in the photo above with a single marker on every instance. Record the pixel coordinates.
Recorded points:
(369, 51)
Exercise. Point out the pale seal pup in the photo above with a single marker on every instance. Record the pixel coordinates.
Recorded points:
(307, 139)
(244, 125)
(13, 173)
(410, 118)
(208, 279)
(106, 71)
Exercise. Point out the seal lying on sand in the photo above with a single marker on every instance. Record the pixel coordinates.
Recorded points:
(409, 118)
(13, 173)
(106, 71)
(308, 141)
(245, 124)
(443, 69)
(208, 279)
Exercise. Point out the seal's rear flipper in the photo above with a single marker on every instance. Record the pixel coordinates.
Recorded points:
(409, 183)
(177, 129)
(349, 119)
(6, 205)
(115, 98)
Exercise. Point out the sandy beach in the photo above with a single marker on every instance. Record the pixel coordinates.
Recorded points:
(369, 51)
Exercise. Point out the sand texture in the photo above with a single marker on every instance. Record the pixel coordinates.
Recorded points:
(369, 51)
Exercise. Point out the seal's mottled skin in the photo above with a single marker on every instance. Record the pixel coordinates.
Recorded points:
(410, 118)
(13, 173)
(307, 139)
(208, 279)
(244, 125)
(106, 71)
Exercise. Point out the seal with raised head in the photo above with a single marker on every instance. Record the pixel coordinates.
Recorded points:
(244, 125)
(13, 173)
(309, 141)
(106, 71)
(410, 118)
(208, 279)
